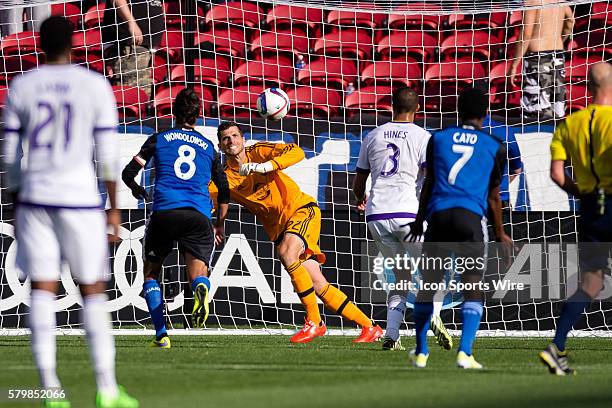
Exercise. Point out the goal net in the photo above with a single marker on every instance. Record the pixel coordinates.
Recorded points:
(338, 62)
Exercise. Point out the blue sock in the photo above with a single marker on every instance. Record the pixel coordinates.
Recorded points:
(572, 310)
(153, 296)
(198, 280)
(422, 316)
(471, 312)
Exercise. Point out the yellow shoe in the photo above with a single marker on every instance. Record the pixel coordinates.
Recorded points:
(163, 343)
(200, 306)
(443, 338)
(418, 360)
(56, 403)
(121, 400)
(467, 362)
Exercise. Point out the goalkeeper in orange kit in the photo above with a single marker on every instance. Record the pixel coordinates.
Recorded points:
(292, 220)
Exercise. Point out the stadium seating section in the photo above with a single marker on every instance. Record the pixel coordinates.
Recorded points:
(242, 47)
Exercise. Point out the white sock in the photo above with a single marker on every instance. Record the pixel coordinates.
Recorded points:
(437, 308)
(42, 325)
(101, 342)
(396, 309)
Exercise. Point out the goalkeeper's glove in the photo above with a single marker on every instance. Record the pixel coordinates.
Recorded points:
(262, 168)
(139, 192)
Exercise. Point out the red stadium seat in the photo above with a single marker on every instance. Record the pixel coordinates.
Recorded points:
(593, 43)
(369, 100)
(284, 17)
(415, 44)
(507, 103)
(515, 22)
(474, 44)
(356, 18)
(235, 13)
(163, 100)
(263, 73)
(478, 21)
(328, 72)
(71, 11)
(501, 93)
(239, 102)
(171, 46)
(577, 97)
(347, 42)
(418, 20)
(131, 101)
(599, 17)
(3, 95)
(284, 43)
(444, 81)
(206, 71)
(314, 102)
(175, 12)
(160, 69)
(228, 41)
(392, 73)
(577, 68)
(87, 44)
(16, 65)
(92, 61)
(25, 42)
(94, 16)
(462, 70)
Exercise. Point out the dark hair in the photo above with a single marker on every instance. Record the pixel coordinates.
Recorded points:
(472, 104)
(187, 106)
(55, 36)
(405, 100)
(226, 125)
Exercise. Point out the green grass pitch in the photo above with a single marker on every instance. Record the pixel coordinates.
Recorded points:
(268, 372)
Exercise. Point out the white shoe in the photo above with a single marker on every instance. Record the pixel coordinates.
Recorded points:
(467, 362)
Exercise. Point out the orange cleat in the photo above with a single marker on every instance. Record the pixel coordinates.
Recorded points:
(309, 332)
(369, 335)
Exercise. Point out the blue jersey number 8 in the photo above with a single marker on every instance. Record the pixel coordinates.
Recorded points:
(186, 155)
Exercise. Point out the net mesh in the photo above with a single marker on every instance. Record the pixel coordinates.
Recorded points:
(338, 63)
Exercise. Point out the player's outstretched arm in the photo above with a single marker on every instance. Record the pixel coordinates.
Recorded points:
(139, 161)
(219, 178)
(359, 187)
(279, 156)
(494, 199)
(416, 227)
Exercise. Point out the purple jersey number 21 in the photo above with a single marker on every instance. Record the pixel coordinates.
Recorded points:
(49, 116)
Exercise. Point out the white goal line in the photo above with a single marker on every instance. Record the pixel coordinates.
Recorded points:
(330, 332)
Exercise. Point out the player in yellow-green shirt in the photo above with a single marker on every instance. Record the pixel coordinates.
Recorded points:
(585, 138)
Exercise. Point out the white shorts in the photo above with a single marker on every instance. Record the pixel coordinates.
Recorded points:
(391, 235)
(47, 236)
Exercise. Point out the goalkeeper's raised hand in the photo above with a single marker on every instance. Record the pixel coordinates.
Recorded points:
(262, 168)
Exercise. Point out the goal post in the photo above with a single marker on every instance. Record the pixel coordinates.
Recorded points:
(339, 63)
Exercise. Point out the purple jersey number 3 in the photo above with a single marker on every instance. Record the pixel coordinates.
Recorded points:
(393, 158)
(49, 116)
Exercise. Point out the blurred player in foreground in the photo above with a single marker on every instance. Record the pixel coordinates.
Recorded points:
(585, 137)
(464, 170)
(292, 220)
(59, 112)
(185, 163)
(394, 154)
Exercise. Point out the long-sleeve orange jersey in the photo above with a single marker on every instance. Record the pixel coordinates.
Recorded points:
(273, 197)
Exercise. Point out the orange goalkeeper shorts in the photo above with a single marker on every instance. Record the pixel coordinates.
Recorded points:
(306, 224)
